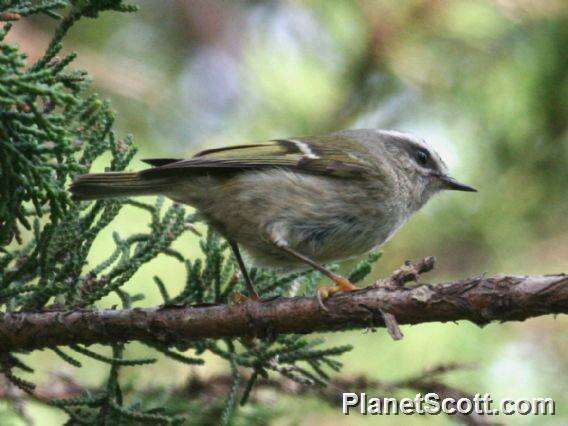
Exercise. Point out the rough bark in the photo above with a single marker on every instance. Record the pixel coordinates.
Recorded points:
(479, 299)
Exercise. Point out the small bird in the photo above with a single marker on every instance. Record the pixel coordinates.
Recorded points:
(295, 203)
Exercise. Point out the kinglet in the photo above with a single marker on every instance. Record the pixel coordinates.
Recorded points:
(299, 202)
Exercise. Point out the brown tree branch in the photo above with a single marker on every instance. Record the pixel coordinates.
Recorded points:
(478, 299)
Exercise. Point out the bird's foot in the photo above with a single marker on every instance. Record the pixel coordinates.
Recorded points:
(342, 285)
(238, 298)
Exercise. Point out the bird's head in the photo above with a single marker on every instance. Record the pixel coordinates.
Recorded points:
(414, 168)
(417, 163)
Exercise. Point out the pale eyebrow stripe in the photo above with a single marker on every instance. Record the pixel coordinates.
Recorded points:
(412, 139)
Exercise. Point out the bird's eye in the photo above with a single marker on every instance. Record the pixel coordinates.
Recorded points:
(421, 157)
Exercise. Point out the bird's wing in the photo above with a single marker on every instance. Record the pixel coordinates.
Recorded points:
(157, 162)
(310, 155)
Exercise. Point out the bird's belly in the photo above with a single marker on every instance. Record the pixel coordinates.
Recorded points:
(345, 241)
(324, 244)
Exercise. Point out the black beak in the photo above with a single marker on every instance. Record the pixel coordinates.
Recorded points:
(450, 183)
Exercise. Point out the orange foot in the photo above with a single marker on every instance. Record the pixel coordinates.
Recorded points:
(341, 284)
(238, 298)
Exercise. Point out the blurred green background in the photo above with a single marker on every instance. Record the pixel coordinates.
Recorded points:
(486, 82)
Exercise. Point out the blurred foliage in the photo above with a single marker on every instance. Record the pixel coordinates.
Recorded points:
(484, 81)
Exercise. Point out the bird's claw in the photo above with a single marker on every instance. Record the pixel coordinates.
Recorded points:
(325, 292)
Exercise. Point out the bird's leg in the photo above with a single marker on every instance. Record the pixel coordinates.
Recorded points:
(341, 283)
(250, 288)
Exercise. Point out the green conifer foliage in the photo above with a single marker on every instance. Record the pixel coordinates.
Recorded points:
(52, 128)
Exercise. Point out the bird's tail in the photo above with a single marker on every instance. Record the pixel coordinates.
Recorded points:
(96, 186)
